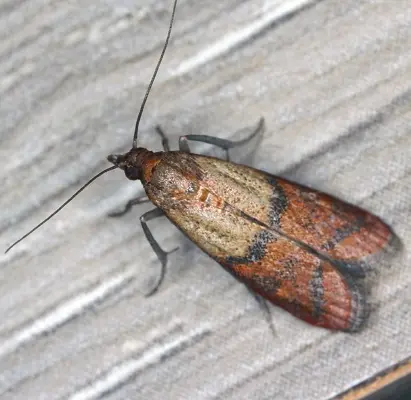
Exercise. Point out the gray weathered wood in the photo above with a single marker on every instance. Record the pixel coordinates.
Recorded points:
(333, 80)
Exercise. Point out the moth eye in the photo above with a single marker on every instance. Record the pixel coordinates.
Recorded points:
(132, 173)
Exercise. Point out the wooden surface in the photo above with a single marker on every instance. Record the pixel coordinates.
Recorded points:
(392, 381)
(333, 81)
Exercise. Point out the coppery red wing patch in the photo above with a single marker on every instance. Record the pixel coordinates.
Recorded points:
(301, 282)
(352, 238)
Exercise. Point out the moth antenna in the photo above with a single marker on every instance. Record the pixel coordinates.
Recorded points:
(134, 137)
(154, 76)
(61, 207)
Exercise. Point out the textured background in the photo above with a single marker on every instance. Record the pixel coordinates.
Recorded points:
(333, 80)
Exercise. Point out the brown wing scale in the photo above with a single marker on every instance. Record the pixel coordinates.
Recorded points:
(298, 248)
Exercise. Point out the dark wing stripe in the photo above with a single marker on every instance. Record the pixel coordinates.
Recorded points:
(279, 202)
(298, 243)
(317, 291)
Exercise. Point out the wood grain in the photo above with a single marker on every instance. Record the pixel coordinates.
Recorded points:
(333, 81)
(396, 378)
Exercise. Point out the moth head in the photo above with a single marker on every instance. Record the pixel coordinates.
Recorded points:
(132, 163)
(124, 162)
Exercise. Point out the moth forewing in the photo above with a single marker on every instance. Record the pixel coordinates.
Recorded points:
(301, 249)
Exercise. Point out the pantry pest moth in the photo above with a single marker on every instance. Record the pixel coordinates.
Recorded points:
(298, 248)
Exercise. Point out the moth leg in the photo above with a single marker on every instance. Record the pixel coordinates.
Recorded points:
(129, 206)
(265, 309)
(222, 143)
(161, 254)
(164, 138)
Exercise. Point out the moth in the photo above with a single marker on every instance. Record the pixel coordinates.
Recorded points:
(298, 248)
